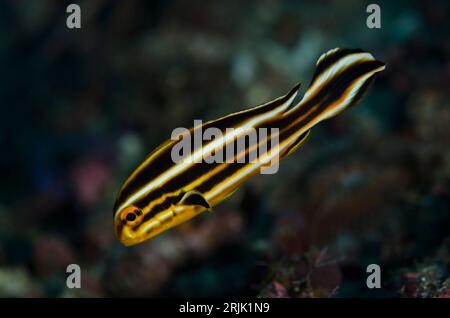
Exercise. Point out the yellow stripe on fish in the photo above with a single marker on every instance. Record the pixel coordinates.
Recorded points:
(160, 193)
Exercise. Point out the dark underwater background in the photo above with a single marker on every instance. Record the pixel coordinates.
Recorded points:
(81, 108)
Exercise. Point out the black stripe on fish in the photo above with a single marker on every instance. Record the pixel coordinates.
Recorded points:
(156, 167)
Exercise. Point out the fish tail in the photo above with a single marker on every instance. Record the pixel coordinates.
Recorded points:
(340, 80)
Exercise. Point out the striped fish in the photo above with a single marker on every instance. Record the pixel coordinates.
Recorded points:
(160, 194)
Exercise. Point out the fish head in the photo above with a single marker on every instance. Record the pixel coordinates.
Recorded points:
(134, 224)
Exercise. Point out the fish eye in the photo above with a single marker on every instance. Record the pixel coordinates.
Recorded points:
(131, 215)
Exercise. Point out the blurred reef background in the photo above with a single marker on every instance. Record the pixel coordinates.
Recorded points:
(81, 108)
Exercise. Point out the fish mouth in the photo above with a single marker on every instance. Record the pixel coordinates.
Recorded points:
(129, 237)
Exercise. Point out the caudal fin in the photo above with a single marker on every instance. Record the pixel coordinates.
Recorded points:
(340, 80)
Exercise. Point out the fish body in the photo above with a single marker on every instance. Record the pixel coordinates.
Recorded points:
(160, 193)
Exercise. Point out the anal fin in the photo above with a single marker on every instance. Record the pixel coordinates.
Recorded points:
(300, 140)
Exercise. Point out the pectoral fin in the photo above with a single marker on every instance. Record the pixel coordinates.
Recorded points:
(194, 197)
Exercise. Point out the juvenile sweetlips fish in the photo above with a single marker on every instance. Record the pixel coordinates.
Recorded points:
(160, 193)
